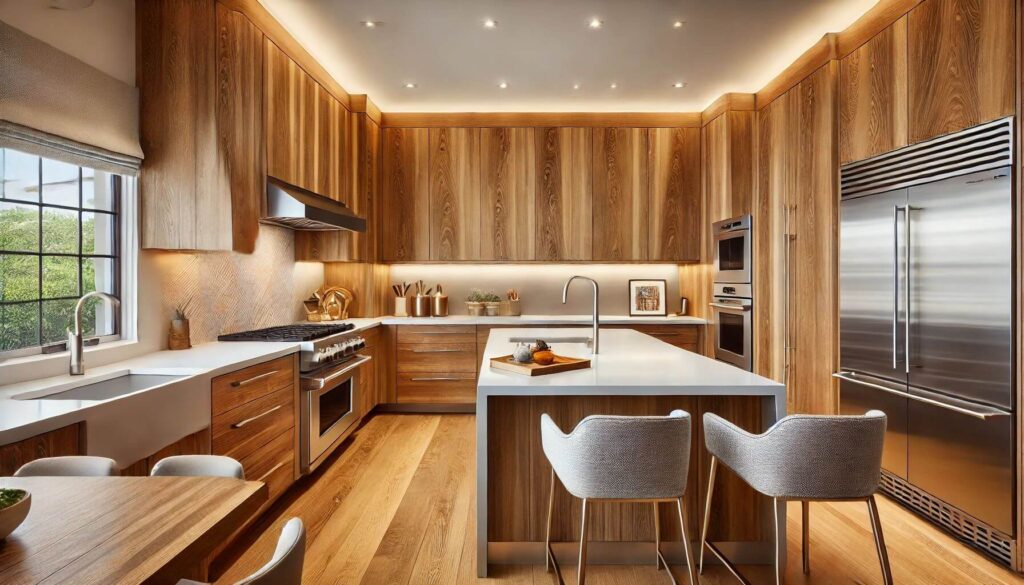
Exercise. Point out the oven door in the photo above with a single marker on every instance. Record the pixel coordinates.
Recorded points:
(732, 256)
(330, 410)
(733, 323)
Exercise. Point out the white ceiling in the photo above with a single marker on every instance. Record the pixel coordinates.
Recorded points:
(541, 48)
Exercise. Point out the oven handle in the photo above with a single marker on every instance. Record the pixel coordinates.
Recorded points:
(734, 308)
(320, 382)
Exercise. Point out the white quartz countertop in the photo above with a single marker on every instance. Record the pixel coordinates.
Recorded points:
(629, 363)
(542, 320)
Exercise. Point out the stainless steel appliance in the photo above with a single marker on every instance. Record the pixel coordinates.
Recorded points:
(296, 208)
(329, 366)
(733, 260)
(733, 302)
(927, 325)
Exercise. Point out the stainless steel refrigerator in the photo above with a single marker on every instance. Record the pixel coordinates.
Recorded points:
(927, 325)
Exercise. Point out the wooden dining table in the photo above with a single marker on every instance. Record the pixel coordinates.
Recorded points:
(123, 530)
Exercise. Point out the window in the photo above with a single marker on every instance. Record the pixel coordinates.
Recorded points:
(59, 239)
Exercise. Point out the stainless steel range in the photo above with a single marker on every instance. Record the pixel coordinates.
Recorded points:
(329, 366)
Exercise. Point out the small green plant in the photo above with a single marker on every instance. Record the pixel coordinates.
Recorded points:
(9, 497)
(475, 296)
(181, 312)
(490, 297)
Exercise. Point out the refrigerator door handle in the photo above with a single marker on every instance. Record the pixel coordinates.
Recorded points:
(906, 294)
(895, 281)
(982, 413)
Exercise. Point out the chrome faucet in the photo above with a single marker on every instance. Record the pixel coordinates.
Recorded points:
(597, 318)
(75, 343)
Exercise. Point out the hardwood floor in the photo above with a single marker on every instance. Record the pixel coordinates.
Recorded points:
(396, 507)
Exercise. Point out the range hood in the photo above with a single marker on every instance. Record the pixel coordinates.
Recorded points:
(299, 209)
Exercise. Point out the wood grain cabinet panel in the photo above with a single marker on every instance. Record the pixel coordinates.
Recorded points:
(873, 96)
(961, 64)
(729, 165)
(454, 193)
(241, 431)
(232, 390)
(675, 194)
(63, 441)
(620, 194)
(508, 178)
(562, 211)
(405, 234)
(291, 122)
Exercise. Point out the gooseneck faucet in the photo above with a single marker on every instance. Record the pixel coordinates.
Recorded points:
(597, 318)
(75, 342)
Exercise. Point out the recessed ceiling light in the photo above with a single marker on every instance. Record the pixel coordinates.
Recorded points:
(596, 23)
(677, 24)
(503, 84)
(614, 86)
(575, 86)
(490, 23)
(371, 23)
(410, 86)
(679, 84)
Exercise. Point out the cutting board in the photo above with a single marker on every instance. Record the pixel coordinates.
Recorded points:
(561, 364)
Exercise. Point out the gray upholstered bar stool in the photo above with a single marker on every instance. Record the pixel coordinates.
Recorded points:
(198, 466)
(621, 459)
(801, 458)
(69, 466)
(285, 567)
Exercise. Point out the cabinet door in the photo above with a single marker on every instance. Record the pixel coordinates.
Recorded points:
(961, 64)
(454, 193)
(291, 105)
(325, 141)
(873, 96)
(728, 165)
(562, 210)
(405, 234)
(61, 442)
(507, 168)
(620, 194)
(675, 195)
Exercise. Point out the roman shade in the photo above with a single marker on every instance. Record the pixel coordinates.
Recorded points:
(55, 106)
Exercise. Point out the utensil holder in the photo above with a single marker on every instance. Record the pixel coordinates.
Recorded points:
(421, 306)
(440, 303)
(510, 309)
(401, 306)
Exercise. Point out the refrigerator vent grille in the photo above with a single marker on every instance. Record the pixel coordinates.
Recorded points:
(984, 147)
(970, 530)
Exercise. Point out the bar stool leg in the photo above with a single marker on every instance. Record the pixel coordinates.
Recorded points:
(687, 545)
(883, 554)
(779, 527)
(806, 548)
(547, 532)
(582, 574)
(657, 538)
(707, 511)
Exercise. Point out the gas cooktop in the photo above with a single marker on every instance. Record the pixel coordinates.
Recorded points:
(298, 332)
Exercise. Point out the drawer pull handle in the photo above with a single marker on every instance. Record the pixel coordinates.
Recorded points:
(437, 350)
(436, 378)
(242, 423)
(663, 334)
(240, 383)
(272, 470)
(441, 333)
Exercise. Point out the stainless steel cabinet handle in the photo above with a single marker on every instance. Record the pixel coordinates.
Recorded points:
(895, 278)
(240, 383)
(725, 307)
(983, 415)
(664, 334)
(906, 294)
(242, 423)
(436, 379)
(437, 350)
(272, 470)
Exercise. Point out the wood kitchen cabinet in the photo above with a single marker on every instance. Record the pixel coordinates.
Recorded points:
(620, 194)
(436, 364)
(64, 441)
(291, 119)
(563, 209)
(405, 204)
(454, 193)
(508, 167)
(674, 193)
(728, 165)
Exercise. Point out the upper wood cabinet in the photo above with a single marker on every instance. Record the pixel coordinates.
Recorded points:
(620, 194)
(961, 65)
(405, 209)
(728, 165)
(508, 167)
(563, 209)
(674, 194)
(873, 96)
(454, 193)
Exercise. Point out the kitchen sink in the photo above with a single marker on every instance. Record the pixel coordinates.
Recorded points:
(102, 390)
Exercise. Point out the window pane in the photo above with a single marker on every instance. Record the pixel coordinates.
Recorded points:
(21, 175)
(97, 233)
(97, 190)
(60, 231)
(19, 227)
(19, 277)
(98, 274)
(60, 183)
(57, 317)
(60, 277)
(19, 326)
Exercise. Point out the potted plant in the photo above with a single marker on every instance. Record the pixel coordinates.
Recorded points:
(179, 336)
(492, 304)
(14, 506)
(475, 302)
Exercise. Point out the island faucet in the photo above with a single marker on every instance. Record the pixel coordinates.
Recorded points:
(75, 342)
(596, 317)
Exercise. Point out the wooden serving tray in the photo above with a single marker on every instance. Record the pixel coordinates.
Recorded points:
(561, 364)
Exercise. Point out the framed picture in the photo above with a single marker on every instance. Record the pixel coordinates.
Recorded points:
(647, 298)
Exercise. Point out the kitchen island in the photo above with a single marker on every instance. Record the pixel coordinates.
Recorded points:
(634, 374)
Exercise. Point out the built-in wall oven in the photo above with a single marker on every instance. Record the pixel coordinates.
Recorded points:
(733, 259)
(733, 303)
(329, 409)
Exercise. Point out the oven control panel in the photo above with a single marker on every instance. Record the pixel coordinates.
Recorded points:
(336, 351)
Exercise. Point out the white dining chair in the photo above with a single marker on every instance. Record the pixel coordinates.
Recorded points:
(285, 567)
(198, 466)
(68, 466)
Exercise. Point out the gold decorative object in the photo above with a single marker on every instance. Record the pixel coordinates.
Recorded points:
(329, 303)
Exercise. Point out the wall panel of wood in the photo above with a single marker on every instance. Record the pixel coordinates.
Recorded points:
(508, 166)
(369, 282)
(405, 213)
(873, 96)
(564, 194)
(675, 194)
(620, 194)
(454, 193)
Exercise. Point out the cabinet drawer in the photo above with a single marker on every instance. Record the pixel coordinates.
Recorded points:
(437, 334)
(437, 387)
(235, 389)
(273, 464)
(685, 336)
(437, 357)
(241, 431)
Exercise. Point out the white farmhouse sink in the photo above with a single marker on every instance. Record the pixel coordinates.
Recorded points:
(121, 384)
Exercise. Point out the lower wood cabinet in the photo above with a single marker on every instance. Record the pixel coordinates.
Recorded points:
(197, 443)
(67, 440)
